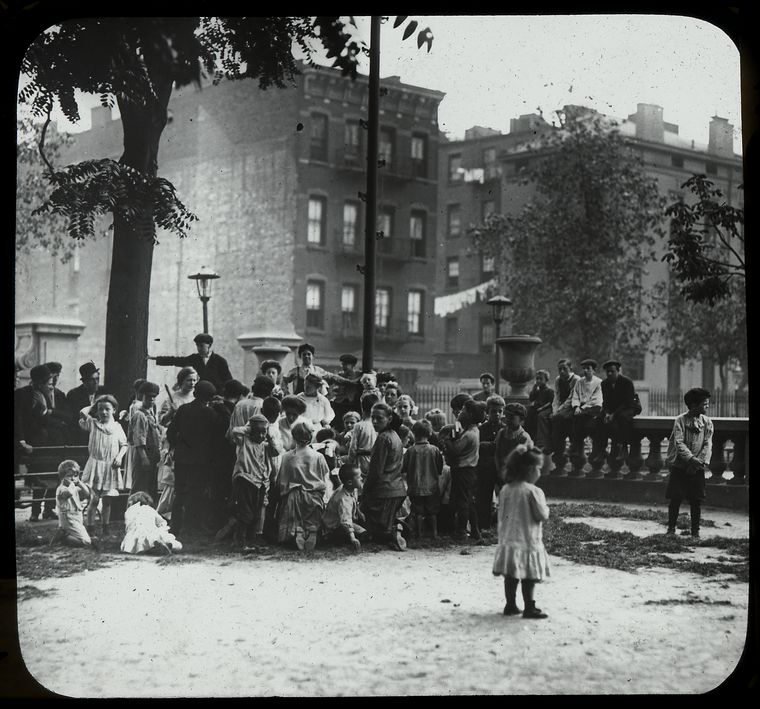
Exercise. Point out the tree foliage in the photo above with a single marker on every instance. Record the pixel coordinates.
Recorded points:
(34, 228)
(706, 243)
(702, 330)
(573, 259)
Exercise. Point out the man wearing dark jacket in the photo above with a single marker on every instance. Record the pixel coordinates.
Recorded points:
(196, 434)
(620, 405)
(31, 419)
(210, 366)
(61, 423)
(82, 396)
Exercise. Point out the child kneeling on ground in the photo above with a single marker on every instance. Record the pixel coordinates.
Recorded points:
(68, 499)
(520, 556)
(341, 517)
(145, 530)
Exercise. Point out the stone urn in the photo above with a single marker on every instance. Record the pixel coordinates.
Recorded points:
(517, 354)
(267, 351)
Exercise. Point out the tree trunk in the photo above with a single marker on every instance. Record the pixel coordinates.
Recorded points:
(132, 258)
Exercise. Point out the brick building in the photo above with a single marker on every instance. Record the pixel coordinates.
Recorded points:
(275, 178)
(481, 174)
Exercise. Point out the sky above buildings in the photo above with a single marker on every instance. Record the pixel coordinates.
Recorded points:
(494, 68)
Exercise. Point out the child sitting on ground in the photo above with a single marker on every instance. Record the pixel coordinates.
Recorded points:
(69, 500)
(520, 556)
(423, 465)
(145, 530)
(342, 516)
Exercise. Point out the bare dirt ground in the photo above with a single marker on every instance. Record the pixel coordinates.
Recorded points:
(425, 622)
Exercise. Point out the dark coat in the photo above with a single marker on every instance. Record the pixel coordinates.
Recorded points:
(619, 398)
(61, 421)
(77, 399)
(216, 370)
(29, 423)
(197, 434)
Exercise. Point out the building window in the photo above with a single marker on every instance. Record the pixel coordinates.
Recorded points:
(488, 207)
(452, 271)
(487, 334)
(419, 155)
(676, 161)
(385, 219)
(385, 147)
(316, 229)
(417, 234)
(414, 309)
(350, 223)
(486, 266)
(455, 164)
(454, 219)
(351, 140)
(315, 310)
(521, 165)
(382, 311)
(490, 168)
(711, 168)
(451, 335)
(348, 298)
(318, 144)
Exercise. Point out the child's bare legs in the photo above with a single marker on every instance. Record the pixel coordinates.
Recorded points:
(510, 593)
(106, 514)
(433, 526)
(92, 508)
(419, 524)
(530, 611)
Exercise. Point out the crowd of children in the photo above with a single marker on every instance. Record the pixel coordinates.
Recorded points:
(267, 469)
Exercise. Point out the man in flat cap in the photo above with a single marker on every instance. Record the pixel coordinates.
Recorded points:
(210, 366)
(586, 402)
(83, 396)
(31, 429)
(297, 375)
(619, 405)
(347, 395)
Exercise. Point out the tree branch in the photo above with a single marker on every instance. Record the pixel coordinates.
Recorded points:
(725, 242)
(41, 144)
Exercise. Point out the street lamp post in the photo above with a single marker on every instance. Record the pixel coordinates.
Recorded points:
(499, 305)
(203, 280)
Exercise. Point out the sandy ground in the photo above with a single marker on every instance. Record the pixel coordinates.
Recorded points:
(422, 622)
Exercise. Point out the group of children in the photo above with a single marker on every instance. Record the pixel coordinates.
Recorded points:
(297, 480)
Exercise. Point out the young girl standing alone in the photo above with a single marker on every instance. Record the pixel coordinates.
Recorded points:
(520, 555)
(107, 446)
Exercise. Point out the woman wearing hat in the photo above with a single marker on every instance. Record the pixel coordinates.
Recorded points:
(210, 366)
(296, 376)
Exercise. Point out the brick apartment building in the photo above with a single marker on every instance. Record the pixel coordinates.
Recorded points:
(275, 177)
(481, 174)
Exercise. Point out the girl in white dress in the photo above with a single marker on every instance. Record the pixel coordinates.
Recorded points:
(107, 446)
(144, 529)
(520, 554)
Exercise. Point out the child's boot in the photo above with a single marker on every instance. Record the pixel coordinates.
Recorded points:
(510, 591)
(532, 612)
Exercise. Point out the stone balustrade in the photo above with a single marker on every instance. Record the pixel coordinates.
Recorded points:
(646, 454)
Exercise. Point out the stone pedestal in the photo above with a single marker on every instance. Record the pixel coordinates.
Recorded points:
(48, 339)
(259, 346)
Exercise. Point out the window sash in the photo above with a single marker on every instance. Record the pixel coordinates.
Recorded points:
(348, 299)
(382, 308)
(318, 143)
(454, 220)
(455, 162)
(316, 220)
(350, 223)
(414, 312)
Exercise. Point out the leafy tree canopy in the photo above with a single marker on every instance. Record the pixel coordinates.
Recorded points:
(706, 243)
(573, 258)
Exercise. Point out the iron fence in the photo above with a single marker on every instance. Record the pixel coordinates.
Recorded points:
(732, 404)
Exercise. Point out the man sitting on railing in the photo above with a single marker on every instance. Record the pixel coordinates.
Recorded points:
(586, 401)
(620, 405)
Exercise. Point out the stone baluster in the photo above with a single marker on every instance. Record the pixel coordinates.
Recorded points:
(654, 461)
(717, 462)
(739, 463)
(634, 459)
(578, 460)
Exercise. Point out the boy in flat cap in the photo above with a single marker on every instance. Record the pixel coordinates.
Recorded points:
(296, 377)
(210, 366)
(347, 395)
(144, 435)
(619, 405)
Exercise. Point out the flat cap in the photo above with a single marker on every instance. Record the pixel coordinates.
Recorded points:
(40, 374)
(204, 390)
(54, 367)
(148, 388)
(589, 361)
(612, 363)
(88, 369)
(203, 337)
(306, 347)
(348, 358)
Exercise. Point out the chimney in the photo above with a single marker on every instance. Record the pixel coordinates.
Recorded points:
(100, 116)
(721, 137)
(526, 122)
(649, 123)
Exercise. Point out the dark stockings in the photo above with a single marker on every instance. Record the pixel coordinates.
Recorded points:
(674, 508)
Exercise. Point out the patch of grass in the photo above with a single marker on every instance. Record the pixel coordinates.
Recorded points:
(46, 563)
(687, 601)
(28, 591)
(593, 509)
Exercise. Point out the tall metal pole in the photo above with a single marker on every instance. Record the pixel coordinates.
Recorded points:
(496, 356)
(368, 350)
(204, 300)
